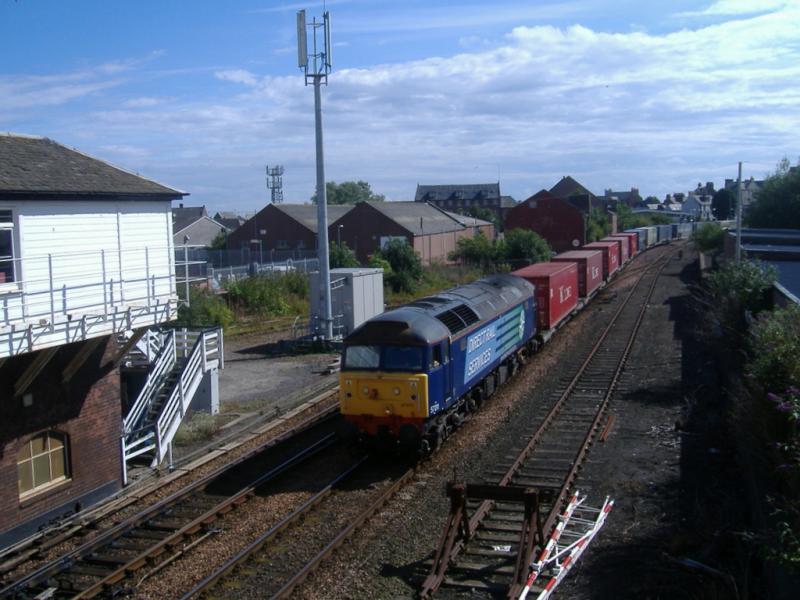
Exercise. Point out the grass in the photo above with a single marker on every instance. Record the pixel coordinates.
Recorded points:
(200, 427)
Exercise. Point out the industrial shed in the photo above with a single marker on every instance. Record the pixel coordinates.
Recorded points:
(558, 221)
(432, 232)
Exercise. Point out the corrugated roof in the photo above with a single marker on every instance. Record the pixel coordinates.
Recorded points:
(467, 220)
(420, 218)
(306, 214)
(39, 166)
(466, 191)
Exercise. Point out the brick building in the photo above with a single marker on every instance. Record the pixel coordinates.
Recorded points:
(433, 233)
(86, 258)
(557, 220)
(283, 228)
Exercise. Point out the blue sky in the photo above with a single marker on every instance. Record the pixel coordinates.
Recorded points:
(201, 95)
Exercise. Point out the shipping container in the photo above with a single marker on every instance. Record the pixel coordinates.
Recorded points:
(590, 268)
(624, 247)
(652, 236)
(610, 256)
(664, 233)
(633, 241)
(556, 286)
(641, 233)
(681, 231)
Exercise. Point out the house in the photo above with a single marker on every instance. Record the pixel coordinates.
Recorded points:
(86, 267)
(557, 220)
(229, 219)
(631, 199)
(432, 232)
(282, 230)
(697, 205)
(462, 197)
(192, 226)
(580, 197)
(750, 189)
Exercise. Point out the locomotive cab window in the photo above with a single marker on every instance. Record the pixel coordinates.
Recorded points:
(402, 358)
(362, 357)
(436, 357)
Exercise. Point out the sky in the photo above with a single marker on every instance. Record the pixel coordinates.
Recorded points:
(201, 95)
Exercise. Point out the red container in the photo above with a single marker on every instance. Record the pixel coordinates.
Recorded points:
(610, 256)
(556, 286)
(633, 241)
(624, 247)
(590, 268)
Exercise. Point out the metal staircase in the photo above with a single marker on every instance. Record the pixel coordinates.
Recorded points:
(179, 359)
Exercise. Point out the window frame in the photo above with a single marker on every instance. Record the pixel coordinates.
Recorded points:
(12, 226)
(52, 482)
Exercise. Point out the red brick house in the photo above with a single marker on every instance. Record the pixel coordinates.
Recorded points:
(432, 232)
(557, 220)
(283, 229)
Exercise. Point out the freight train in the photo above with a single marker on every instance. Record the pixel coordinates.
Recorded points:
(411, 375)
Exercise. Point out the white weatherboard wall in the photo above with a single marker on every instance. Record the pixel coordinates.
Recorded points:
(86, 268)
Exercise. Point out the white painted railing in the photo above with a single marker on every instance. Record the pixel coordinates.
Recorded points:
(206, 353)
(165, 358)
(62, 297)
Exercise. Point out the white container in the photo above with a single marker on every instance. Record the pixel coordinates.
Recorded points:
(356, 296)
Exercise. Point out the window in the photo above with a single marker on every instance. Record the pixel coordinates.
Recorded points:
(6, 247)
(42, 462)
(402, 358)
(362, 357)
(436, 357)
(282, 244)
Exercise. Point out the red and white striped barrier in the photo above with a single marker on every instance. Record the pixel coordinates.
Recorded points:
(573, 551)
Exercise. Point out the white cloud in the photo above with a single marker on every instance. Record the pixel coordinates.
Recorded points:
(237, 76)
(656, 111)
(740, 7)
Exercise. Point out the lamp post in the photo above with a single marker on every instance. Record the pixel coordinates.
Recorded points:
(339, 236)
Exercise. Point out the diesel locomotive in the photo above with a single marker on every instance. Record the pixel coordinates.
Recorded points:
(410, 375)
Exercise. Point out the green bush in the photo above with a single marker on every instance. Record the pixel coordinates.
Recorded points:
(340, 256)
(476, 250)
(738, 289)
(709, 237)
(205, 309)
(266, 294)
(776, 349)
(406, 266)
(524, 245)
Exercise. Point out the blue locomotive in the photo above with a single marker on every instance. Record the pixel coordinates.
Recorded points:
(410, 375)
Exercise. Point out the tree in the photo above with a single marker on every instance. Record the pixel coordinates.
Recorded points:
(340, 256)
(723, 204)
(475, 251)
(406, 266)
(627, 219)
(349, 192)
(597, 225)
(709, 237)
(220, 241)
(777, 203)
(652, 200)
(524, 245)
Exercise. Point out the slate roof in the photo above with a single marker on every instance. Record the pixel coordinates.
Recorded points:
(468, 221)
(507, 202)
(408, 215)
(569, 187)
(35, 166)
(183, 216)
(428, 193)
(306, 214)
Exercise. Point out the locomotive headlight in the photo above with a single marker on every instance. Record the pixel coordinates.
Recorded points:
(396, 391)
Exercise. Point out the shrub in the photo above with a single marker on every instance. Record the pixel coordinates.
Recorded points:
(263, 294)
(738, 289)
(200, 427)
(205, 309)
(406, 266)
(341, 256)
(709, 237)
(776, 349)
(475, 251)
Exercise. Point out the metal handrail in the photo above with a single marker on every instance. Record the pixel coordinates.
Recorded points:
(165, 361)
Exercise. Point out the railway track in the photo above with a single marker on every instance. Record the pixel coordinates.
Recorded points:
(281, 559)
(160, 532)
(481, 556)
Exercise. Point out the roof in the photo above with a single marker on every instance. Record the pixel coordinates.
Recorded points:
(544, 269)
(39, 166)
(465, 191)
(569, 187)
(419, 218)
(183, 216)
(577, 254)
(467, 220)
(507, 202)
(306, 214)
(788, 275)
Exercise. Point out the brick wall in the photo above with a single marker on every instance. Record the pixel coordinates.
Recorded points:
(556, 220)
(87, 409)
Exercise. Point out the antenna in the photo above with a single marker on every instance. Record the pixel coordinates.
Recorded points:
(326, 18)
(302, 43)
(275, 183)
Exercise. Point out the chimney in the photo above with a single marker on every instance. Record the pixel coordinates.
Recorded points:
(180, 205)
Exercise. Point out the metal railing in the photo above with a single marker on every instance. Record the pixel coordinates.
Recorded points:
(221, 276)
(63, 297)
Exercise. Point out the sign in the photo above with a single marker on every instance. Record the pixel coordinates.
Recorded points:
(491, 343)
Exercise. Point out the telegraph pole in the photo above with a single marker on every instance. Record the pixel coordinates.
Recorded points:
(316, 68)
(739, 216)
